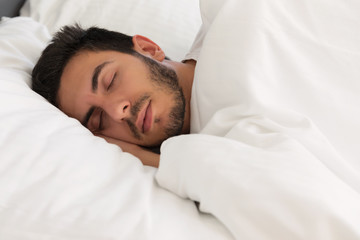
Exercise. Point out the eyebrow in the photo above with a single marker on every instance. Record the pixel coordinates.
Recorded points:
(94, 87)
(95, 77)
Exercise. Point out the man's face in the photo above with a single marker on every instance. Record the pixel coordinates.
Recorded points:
(130, 98)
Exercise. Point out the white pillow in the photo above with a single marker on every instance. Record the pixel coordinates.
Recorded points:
(172, 24)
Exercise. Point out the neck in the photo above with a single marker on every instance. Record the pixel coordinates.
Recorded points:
(185, 72)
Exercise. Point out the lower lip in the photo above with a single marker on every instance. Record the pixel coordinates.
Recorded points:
(147, 119)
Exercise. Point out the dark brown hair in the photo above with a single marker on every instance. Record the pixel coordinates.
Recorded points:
(66, 43)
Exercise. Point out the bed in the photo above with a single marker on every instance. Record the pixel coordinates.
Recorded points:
(274, 156)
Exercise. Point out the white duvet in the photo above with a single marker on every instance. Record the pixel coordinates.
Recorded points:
(276, 100)
(277, 84)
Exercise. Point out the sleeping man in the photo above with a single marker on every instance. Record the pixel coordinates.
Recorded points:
(120, 87)
(269, 94)
(125, 90)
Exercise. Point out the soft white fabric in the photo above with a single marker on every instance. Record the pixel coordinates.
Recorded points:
(58, 181)
(277, 85)
(172, 24)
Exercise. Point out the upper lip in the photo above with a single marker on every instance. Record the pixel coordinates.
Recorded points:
(141, 117)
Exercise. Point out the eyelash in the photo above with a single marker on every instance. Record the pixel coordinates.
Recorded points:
(100, 127)
(111, 83)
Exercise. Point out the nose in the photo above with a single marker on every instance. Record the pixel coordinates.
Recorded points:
(118, 110)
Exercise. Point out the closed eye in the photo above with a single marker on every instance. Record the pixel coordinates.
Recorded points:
(111, 83)
(100, 127)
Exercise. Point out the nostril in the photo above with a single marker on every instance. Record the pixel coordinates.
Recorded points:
(125, 107)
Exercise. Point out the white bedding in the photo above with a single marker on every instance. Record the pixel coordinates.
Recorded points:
(276, 85)
(281, 94)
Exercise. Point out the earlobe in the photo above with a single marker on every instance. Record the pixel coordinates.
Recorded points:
(148, 48)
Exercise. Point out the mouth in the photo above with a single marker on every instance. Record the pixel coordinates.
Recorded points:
(144, 120)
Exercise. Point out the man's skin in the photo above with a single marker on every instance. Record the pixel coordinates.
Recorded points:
(113, 95)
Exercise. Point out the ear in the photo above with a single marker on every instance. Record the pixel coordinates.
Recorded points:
(147, 47)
